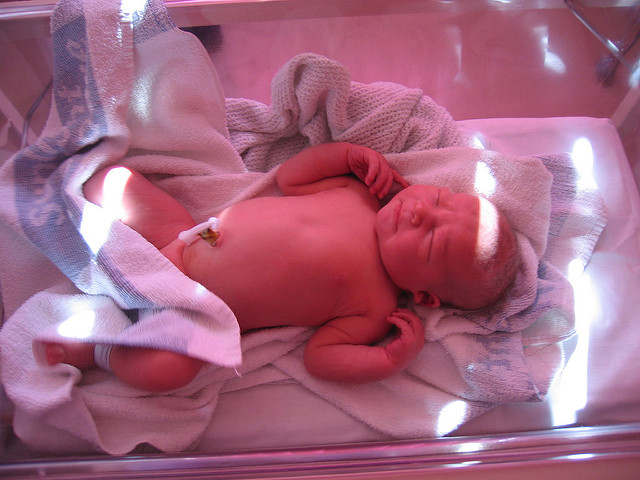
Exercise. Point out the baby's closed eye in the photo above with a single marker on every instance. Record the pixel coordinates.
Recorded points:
(426, 247)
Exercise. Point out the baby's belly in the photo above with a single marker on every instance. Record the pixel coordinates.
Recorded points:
(274, 281)
(288, 261)
(261, 296)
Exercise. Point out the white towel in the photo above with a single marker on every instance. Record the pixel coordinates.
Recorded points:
(126, 84)
(83, 241)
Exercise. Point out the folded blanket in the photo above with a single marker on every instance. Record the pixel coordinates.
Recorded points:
(130, 88)
(314, 101)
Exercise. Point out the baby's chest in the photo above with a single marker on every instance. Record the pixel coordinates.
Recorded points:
(320, 263)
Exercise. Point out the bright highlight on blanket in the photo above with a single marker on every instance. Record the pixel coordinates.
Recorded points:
(111, 286)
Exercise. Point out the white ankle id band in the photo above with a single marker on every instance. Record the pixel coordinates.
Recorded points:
(101, 354)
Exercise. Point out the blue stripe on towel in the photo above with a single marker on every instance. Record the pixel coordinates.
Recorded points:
(563, 189)
(151, 21)
(42, 208)
(43, 171)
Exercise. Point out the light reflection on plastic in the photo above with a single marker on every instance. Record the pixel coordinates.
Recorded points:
(450, 417)
(470, 447)
(582, 156)
(551, 60)
(456, 41)
(463, 464)
(634, 77)
(580, 456)
(570, 393)
(79, 325)
(554, 63)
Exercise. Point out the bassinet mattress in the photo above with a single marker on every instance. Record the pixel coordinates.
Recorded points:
(599, 384)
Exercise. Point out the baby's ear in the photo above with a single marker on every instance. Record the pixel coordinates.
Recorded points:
(427, 299)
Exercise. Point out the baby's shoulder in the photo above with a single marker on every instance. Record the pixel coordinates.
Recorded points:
(374, 292)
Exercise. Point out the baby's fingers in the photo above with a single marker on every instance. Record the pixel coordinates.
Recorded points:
(382, 185)
(410, 338)
(399, 179)
(398, 321)
(407, 322)
(385, 180)
(373, 170)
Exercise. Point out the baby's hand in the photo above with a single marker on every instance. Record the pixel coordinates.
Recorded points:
(373, 170)
(410, 339)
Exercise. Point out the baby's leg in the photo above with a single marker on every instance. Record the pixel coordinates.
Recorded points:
(145, 368)
(138, 203)
(159, 218)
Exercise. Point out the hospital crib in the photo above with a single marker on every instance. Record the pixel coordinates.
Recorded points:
(524, 78)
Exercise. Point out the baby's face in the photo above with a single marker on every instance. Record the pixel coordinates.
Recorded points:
(429, 239)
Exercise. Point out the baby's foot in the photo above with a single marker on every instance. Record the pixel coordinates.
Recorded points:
(79, 355)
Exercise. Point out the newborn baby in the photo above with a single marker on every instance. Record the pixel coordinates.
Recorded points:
(323, 255)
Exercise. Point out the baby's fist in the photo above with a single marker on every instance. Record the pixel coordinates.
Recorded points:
(410, 339)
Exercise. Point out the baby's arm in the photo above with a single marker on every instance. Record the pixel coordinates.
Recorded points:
(325, 166)
(341, 349)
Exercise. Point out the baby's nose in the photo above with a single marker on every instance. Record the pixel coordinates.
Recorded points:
(420, 213)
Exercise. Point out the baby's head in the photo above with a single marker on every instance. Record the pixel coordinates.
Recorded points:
(447, 248)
